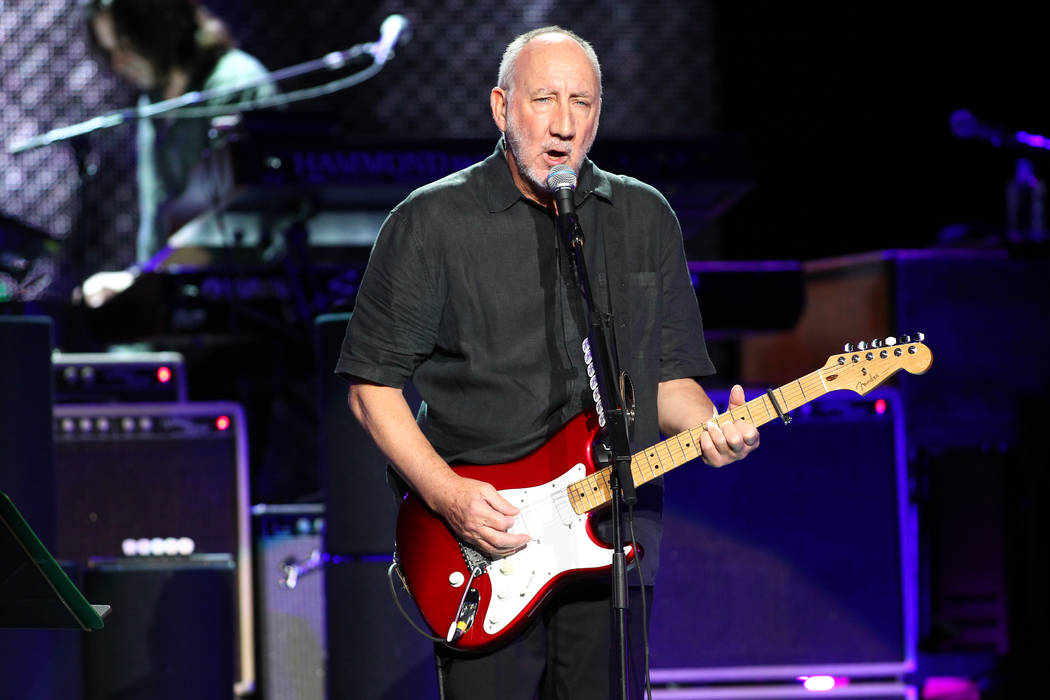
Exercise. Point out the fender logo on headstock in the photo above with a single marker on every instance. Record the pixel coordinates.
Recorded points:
(861, 386)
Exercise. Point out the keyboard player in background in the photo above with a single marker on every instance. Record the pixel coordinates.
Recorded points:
(166, 48)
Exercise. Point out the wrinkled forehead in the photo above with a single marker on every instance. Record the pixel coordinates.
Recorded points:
(555, 58)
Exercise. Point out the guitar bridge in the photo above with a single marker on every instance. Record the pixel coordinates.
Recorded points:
(476, 561)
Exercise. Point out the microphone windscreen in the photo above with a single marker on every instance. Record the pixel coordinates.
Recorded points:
(560, 177)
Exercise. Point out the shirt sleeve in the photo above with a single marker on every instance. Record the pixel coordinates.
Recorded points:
(395, 318)
(683, 348)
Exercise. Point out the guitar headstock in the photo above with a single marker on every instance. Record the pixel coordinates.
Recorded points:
(865, 365)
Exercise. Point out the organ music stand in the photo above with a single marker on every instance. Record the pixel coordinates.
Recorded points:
(34, 591)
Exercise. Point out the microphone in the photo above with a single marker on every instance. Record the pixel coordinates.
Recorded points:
(390, 32)
(562, 182)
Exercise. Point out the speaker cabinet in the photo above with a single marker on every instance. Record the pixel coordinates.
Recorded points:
(361, 508)
(373, 653)
(157, 480)
(26, 455)
(290, 596)
(170, 635)
(34, 664)
(798, 560)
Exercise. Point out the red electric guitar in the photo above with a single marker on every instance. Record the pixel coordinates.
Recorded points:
(476, 603)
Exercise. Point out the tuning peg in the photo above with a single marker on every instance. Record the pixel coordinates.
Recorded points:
(876, 343)
(862, 345)
(890, 341)
(849, 347)
(905, 338)
(920, 336)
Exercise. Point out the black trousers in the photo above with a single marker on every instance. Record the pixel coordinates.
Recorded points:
(569, 652)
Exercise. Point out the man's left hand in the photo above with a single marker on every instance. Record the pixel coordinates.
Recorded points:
(728, 441)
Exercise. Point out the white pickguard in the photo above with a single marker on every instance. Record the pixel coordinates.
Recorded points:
(559, 543)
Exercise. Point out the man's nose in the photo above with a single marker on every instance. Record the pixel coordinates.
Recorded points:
(563, 125)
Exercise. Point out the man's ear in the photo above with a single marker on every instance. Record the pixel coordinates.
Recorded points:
(498, 102)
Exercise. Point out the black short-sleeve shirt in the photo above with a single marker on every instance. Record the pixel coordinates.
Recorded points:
(469, 294)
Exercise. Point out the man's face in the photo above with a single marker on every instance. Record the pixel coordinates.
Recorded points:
(550, 114)
(126, 62)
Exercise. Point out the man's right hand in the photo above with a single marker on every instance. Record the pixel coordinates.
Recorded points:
(473, 509)
(477, 512)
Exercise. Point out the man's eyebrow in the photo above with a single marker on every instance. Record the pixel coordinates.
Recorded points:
(547, 90)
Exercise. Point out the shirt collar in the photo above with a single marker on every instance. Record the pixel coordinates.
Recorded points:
(501, 192)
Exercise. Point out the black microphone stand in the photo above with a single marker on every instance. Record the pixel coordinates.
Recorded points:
(615, 438)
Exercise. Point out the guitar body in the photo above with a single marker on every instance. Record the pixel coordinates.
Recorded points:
(510, 589)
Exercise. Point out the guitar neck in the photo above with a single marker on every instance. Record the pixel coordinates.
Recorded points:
(593, 491)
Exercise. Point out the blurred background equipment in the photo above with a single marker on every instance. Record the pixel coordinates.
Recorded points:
(805, 563)
(118, 377)
(175, 634)
(290, 606)
(165, 483)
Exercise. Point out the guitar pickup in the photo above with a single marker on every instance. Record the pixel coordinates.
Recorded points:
(468, 609)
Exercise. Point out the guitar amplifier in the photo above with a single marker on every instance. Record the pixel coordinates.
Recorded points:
(289, 588)
(100, 377)
(800, 560)
(157, 481)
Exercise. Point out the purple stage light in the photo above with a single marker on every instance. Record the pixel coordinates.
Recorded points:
(1033, 140)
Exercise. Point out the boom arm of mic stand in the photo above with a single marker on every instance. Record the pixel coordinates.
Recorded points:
(393, 27)
(104, 121)
(331, 61)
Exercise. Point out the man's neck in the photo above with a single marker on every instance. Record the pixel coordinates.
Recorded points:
(526, 186)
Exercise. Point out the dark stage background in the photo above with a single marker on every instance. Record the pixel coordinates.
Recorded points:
(822, 132)
(843, 112)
